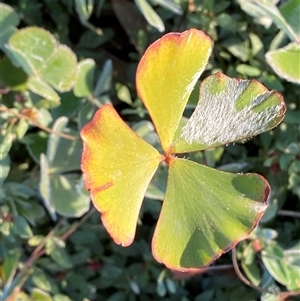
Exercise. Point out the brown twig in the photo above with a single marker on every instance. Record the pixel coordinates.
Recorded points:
(40, 250)
(78, 224)
(36, 123)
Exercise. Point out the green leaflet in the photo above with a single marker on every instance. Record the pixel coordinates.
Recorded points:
(205, 213)
(229, 110)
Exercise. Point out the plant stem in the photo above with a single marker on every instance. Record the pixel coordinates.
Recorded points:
(78, 224)
(282, 295)
(289, 213)
(39, 251)
(36, 123)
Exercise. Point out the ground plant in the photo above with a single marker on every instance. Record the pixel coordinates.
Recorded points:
(112, 96)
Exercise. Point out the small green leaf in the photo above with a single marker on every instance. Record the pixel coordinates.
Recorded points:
(283, 61)
(67, 197)
(90, 39)
(104, 80)
(9, 19)
(293, 277)
(150, 15)
(39, 295)
(38, 86)
(61, 257)
(170, 5)
(252, 271)
(36, 144)
(6, 143)
(252, 9)
(84, 9)
(4, 167)
(248, 70)
(9, 267)
(86, 114)
(238, 48)
(205, 213)
(43, 281)
(21, 227)
(35, 240)
(291, 12)
(85, 78)
(31, 210)
(19, 190)
(45, 188)
(61, 163)
(257, 44)
(21, 128)
(273, 258)
(123, 93)
(54, 139)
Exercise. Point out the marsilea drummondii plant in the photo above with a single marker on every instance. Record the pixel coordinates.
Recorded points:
(205, 212)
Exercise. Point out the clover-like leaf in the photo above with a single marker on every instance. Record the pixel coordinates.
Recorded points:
(229, 110)
(44, 60)
(118, 166)
(205, 213)
(166, 76)
(44, 57)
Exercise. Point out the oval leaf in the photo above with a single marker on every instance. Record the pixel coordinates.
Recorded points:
(166, 76)
(40, 87)
(54, 139)
(229, 110)
(284, 62)
(45, 187)
(273, 259)
(117, 166)
(205, 213)
(85, 78)
(9, 19)
(291, 12)
(150, 15)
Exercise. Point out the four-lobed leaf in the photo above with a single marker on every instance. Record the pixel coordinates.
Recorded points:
(205, 211)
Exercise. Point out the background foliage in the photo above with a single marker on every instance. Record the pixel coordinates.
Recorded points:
(53, 246)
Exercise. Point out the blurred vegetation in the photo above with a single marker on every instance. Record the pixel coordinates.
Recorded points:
(53, 246)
